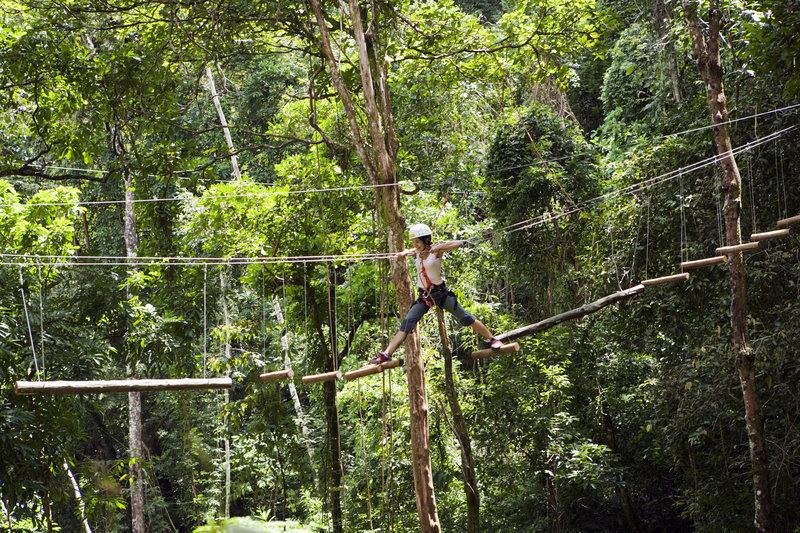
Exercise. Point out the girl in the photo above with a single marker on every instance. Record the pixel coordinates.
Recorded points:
(432, 291)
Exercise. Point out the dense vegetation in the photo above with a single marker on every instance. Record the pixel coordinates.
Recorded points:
(568, 142)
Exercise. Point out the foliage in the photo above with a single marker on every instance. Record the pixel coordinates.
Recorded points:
(553, 131)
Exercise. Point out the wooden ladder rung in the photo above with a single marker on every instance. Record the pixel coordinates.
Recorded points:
(120, 385)
(697, 263)
(737, 248)
(789, 221)
(770, 234)
(665, 279)
(325, 376)
(491, 352)
(369, 370)
(276, 375)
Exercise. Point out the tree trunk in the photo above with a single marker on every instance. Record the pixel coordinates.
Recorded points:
(226, 131)
(134, 398)
(706, 51)
(379, 160)
(227, 398)
(461, 430)
(332, 475)
(298, 407)
(76, 489)
(660, 15)
(624, 494)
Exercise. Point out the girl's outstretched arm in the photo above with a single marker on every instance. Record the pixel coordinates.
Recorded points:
(442, 247)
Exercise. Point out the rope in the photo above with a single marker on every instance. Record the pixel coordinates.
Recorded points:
(205, 319)
(684, 255)
(657, 180)
(718, 201)
(366, 463)
(220, 196)
(670, 135)
(752, 194)
(41, 322)
(28, 320)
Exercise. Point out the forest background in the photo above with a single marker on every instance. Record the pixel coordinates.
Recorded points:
(146, 230)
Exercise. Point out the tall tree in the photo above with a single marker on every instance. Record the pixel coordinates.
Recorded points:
(706, 51)
(378, 153)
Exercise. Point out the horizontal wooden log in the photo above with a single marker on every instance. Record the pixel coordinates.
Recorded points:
(665, 279)
(572, 314)
(697, 263)
(370, 370)
(325, 376)
(120, 385)
(788, 221)
(491, 352)
(737, 248)
(770, 234)
(276, 375)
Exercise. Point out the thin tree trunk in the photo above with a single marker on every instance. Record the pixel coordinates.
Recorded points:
(227, 398)
(298, 407)
(76, 489)
(660, 15)
(333, 475)
(706, 52)
(379, 160)
(134, 398)
(624, 494)
(228, 140)
(461, 430)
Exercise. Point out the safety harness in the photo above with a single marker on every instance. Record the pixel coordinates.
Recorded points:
(427, 297)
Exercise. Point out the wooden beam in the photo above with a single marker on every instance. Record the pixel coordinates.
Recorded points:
(737, 248)
(665, 279)
(789, 221)
(370, 370)
(491, 352)
(276, 375)
(697, 263)
(572, 314)
(325, 376)
(770, 234)
(119, 385)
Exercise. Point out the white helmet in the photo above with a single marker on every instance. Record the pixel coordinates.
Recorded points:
(418, 230)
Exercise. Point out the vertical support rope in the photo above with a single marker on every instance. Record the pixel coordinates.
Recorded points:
(366, 462)
(28, 320)
(41, 322)
(305, 317)
(684, 255)
(783, 184)
(635, 249)
(718, 201)
(205, 318)
(752, 193)
(647, 239)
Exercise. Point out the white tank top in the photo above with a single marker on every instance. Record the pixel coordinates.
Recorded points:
(433, 268)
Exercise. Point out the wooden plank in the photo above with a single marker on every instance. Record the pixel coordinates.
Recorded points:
(325, 376)
(276, 375)
(697, 263)
(737, 248)
(789, 221)
(572, 314)
(770, 234)
(119, 385)
(491, 352)
(370, 370)
(665, 279)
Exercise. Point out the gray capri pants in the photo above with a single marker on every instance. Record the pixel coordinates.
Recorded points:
(445, 299)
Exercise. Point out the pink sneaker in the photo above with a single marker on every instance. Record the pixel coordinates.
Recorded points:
(494, 344)
(380, 358)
